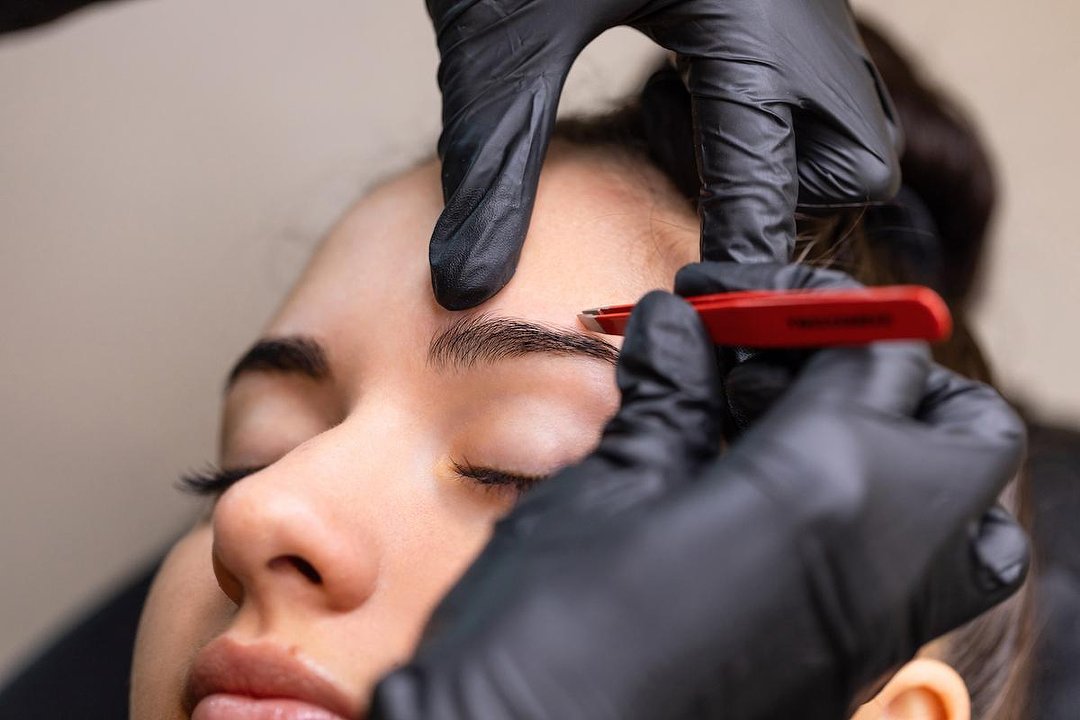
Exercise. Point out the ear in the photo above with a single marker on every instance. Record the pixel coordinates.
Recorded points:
(924, 689)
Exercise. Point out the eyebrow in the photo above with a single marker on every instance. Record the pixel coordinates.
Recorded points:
(297, 354)
(471, 341)
(484, 339)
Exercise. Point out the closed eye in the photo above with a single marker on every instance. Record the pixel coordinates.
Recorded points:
(213, 481)
(491, 477)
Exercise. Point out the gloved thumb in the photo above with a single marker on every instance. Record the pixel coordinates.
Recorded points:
(670, 385)
(497, 121)
(669, 419)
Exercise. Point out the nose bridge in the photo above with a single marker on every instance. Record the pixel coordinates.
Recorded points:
(307, 529)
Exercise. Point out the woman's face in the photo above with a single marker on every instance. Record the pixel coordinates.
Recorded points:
(387, 435)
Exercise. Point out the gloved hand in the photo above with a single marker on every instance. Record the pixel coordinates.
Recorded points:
(760, 72)
(658, 579)
(754, 379)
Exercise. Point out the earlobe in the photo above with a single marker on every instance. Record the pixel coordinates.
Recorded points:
(924, 689)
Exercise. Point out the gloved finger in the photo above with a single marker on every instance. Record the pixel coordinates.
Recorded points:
(849, 138)
(977, 443)
(1002, 554)
(755, 379)
(715, 277)
(969, 444)
(669, 417)
(668, 423)
(747, 161)
(984, 434)
(886, 377)
(837, 170)
(982, 566)
(498, 114)
(954, 402)
(667, 379)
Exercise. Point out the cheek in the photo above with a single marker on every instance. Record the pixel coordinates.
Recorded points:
(185, 609)
(441, 541)
(432, 552)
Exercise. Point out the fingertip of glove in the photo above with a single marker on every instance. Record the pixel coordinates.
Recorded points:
(1003, 551)
(670, 386)
(454, 294)
(1000, 420)
(713, 277)
(688, 279)
(464, 275)
(661, 313)
(666, 340)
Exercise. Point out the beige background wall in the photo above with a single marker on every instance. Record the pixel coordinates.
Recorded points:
(165, 164)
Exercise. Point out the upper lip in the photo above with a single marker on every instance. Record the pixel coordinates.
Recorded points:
(262, 670)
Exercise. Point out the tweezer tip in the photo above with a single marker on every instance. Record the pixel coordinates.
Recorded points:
(588, 319)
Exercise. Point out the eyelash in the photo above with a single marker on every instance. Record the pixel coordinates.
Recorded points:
(212, 481)
(497, 479)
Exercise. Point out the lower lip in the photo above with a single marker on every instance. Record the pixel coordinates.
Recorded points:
(238, 707)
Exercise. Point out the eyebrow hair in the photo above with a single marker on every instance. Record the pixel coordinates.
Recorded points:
(484, 339)
(291, 354)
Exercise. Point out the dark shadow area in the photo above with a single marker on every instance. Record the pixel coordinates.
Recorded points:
(84, 672)
(24, 14)
(1055, 473)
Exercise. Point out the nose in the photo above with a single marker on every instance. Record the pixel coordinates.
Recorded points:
(279, 541)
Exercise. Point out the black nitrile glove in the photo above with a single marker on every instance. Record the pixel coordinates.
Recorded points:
(760, 72)
(657, 579)
(754, 379)
(22, 14)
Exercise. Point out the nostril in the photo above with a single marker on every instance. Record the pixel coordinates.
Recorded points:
(300, 565)
(306, 569)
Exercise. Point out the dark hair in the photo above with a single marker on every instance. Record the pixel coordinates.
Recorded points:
(933, 233)
(944, 162)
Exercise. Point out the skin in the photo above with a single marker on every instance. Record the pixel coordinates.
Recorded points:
(360, 482)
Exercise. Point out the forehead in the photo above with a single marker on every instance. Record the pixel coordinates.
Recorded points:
(598, 236)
